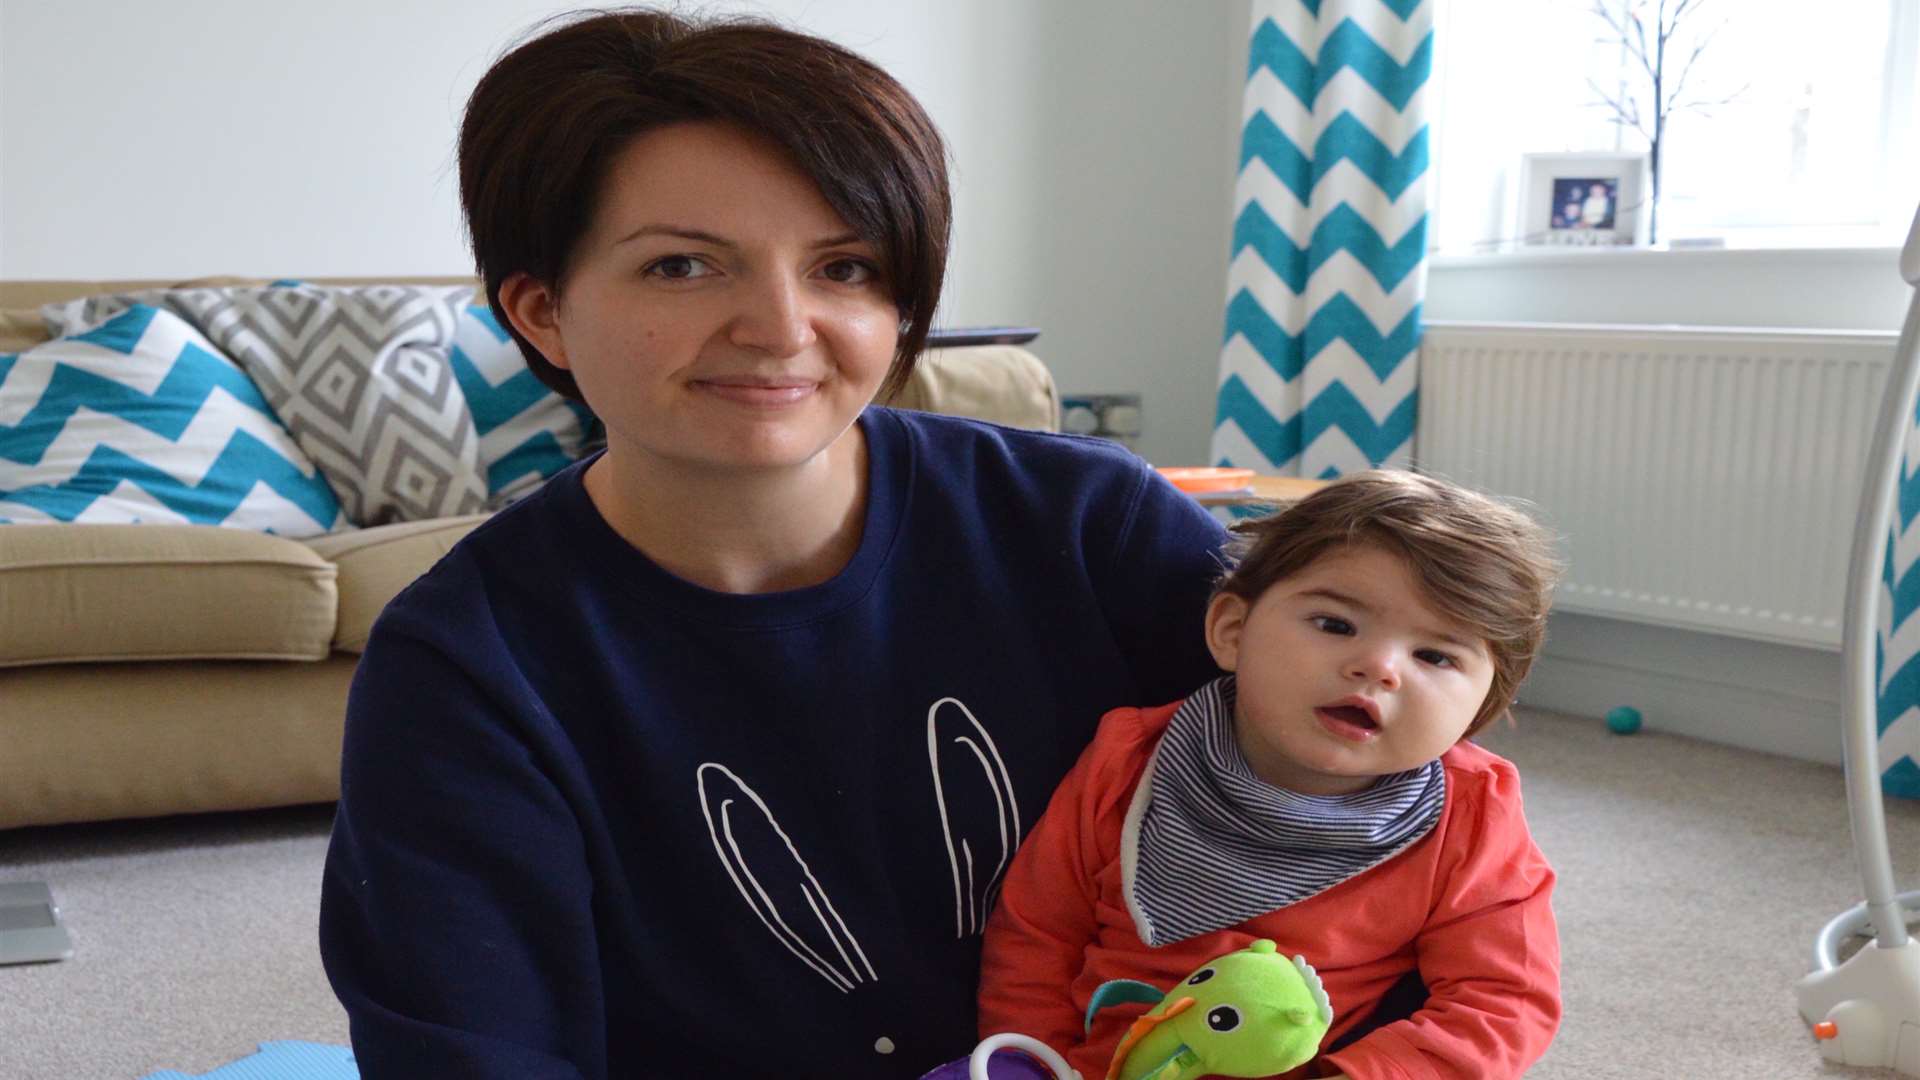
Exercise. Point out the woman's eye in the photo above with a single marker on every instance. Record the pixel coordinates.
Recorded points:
(677, 268)
(1332, 624)
(850, 271)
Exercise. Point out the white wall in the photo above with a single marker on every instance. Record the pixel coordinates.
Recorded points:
(3, 134)
(1093, 145)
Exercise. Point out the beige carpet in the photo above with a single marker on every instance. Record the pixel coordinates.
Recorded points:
(1693, 879)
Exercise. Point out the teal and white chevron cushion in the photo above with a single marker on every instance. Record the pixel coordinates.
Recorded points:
(527, 432)
(360, 376)
(142, 420)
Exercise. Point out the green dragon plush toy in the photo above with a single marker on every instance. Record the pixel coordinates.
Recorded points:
(1246, 1014)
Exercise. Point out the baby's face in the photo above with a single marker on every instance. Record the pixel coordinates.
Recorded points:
(1347, 673)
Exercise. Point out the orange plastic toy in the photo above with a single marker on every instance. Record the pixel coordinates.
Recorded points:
(1196, 481)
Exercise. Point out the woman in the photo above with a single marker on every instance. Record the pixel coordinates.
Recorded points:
(707, 758)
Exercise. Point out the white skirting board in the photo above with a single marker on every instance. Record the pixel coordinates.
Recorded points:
(1777, 699)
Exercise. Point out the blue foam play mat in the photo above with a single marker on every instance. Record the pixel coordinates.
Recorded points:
(286, 1060)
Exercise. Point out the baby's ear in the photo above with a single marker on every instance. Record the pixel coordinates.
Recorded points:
(1226, 618)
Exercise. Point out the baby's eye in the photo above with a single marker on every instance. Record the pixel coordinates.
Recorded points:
(850, 271)
(678, 268)
(1437, 658)
(1332, 624)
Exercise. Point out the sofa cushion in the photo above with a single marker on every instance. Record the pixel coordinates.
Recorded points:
(1002, 383)
(375, 564)
(361, 375)
(75, 593)
(142, 419)
(527, 432)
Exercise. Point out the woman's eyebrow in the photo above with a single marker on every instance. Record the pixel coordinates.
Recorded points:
(682, 232)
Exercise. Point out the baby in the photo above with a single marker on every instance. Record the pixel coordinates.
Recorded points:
(1322, 794)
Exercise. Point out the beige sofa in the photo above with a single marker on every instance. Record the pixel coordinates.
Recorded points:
(159, 669)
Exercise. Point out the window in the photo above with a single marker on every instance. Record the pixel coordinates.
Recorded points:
(1806, 141)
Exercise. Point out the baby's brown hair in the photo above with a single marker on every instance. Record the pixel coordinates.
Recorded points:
(1482, 562)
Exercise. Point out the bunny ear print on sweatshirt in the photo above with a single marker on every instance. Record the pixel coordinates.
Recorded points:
(775, 882)
(969, 777)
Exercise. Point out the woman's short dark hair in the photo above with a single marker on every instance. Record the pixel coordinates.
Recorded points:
(547, 119)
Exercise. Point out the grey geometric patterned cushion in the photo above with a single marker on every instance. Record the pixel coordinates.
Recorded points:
(360, 375)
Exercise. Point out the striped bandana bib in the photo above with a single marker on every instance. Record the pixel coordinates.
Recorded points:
(1208, 845)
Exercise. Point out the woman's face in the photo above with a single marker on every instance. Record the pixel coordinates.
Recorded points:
(718, 315)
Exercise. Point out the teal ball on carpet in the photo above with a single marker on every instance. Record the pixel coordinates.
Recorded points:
(1623, 720)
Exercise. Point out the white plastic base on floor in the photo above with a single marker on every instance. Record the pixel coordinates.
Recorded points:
(1873, 1003)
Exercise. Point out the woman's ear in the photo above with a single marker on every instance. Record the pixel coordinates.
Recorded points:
(534, 310)
(1226, 617)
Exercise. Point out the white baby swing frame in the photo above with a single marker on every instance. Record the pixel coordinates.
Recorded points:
(1866, 1011)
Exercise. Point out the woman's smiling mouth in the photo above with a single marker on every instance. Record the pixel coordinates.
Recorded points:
(763, 394)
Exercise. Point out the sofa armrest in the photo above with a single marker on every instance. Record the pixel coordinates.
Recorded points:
(1005, 384)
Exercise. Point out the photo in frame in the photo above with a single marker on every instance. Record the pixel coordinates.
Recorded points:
(1583, 199)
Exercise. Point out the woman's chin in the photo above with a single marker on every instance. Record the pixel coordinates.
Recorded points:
(770, 449)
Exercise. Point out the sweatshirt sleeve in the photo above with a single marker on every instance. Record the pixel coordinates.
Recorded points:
(455, 914)
(1036, 941)
(1155, 590)
(1489, 954)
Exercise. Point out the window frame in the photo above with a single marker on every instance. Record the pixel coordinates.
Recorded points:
(1899, 160)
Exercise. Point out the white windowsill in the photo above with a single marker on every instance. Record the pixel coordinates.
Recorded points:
(1677, 333)
(1624, 257)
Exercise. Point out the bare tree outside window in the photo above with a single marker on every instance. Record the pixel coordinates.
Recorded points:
(1646, 31)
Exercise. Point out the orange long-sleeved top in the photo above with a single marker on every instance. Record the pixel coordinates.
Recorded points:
(1467, 906)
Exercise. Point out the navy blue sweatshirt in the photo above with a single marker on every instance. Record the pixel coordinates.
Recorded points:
(597, 821)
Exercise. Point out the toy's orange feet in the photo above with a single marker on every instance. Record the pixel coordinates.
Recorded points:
(1826, 1029)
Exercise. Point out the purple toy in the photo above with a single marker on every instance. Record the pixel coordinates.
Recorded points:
(1004, 1065)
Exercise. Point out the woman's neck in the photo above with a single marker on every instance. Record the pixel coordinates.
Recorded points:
(738, 531)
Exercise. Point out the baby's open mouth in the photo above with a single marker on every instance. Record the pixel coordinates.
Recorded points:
(1350, 715)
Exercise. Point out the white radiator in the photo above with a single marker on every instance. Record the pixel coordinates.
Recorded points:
(1702, 478)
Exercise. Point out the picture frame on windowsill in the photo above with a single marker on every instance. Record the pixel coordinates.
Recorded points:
(1584, 199)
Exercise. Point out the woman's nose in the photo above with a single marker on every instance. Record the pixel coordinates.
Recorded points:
(773, 318)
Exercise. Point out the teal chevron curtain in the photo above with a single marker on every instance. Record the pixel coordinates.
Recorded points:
(1318, 374)
(1897, 638)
